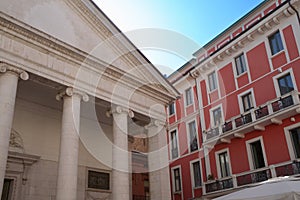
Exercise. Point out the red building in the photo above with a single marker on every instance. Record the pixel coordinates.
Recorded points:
(237, 122)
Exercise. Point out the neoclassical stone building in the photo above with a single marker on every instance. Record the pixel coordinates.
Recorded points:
(75, 96)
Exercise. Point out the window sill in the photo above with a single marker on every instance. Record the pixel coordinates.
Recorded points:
(276, 54)
(241, 74)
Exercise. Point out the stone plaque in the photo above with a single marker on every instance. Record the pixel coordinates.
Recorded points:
(98, 180)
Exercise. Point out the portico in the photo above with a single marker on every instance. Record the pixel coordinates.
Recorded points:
(73, 114)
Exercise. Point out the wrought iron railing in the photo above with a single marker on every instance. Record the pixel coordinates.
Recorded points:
(219, 185)
(255, 114)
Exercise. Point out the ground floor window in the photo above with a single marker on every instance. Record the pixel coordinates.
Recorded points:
(295, 135)
(177, 180)
(224, 164)
(257, 154)
(196, 174)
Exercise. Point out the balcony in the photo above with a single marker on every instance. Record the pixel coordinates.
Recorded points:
(250, 178)
(257, 118)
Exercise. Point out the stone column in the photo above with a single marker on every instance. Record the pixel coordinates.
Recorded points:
(158, 159)
(8, 89)
(120, 154)
(69, 141)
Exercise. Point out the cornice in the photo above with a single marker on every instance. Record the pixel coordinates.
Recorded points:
(244, 40)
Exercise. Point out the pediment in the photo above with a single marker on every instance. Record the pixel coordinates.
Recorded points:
(80, 24)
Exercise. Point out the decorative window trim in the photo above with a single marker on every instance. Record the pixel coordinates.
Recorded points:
(275, 80)
(218, 161)
(177, 142)
(188, 133)
(240, 100)
(173, 179)
(98, 171)
(289, 139)
(192, 173)
(249, 153)
(212, 120)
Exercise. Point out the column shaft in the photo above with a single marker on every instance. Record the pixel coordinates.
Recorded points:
(158, 164)
(8, 90)
(120, 160)
(68, 159)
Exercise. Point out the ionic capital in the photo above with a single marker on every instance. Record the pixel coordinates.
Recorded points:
(119, 110)
(70, 92)
(19, 72)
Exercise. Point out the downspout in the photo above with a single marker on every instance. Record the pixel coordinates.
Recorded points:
(297, 13)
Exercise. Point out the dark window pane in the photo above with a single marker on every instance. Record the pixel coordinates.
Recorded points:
(275, 43)
(193, 136)
(197, 174)
(224, 164)
(257, 155)
(177, 180)
(295, 134)
(285, 84)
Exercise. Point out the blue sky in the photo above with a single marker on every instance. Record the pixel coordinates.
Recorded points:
(168, 32)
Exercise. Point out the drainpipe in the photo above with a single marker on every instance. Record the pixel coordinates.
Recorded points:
(297, 13)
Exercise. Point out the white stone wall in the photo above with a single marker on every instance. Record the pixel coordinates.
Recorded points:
(39, 127)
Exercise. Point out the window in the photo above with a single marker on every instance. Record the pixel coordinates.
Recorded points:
(7, 190)
(189, 96)
(295, 135)
(240, 64)
(196, 174)
(285, 84)
(224, 164)
(247, 101)
(275, 43)
(172, 108)
(193, 136)
(177, 180)
(98, 180)
(212, 81)
(257, 154)
(174, 146)
(217, 116)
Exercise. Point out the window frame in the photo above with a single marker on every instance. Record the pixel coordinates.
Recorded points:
(243, 67)
(272, 50)
(173, 104)
(189, 101)
(212, 119)
(289, 140)
(189, 134)
(250, 155)
(278, 76)
(171, 144)
(193, 173)
(214, 81)
(174, 180)
(241, 102)
(217, 157)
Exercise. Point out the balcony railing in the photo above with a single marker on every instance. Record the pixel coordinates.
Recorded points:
(255, 116)
(291, 168)
(219, 185)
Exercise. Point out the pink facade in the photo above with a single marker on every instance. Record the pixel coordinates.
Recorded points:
(242, 124)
